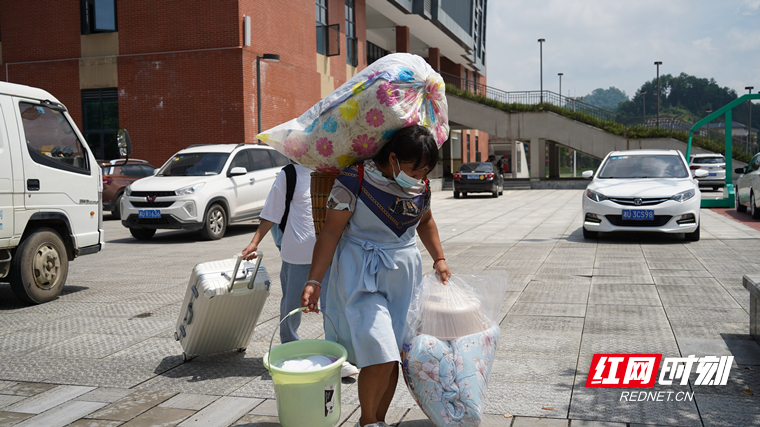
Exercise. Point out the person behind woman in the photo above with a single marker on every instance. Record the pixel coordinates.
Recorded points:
(373, 211)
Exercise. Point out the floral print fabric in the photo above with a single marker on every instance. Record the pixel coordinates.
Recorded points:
(352, 123)
(448, 379)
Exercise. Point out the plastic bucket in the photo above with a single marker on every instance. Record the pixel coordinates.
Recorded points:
(310, 398)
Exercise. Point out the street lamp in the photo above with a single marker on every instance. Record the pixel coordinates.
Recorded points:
(749, 129)
(708, 111)
(560, 86)
(658, 63)
(266, 57)
(541, 49)
(644, 103)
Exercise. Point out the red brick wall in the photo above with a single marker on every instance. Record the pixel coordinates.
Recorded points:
(60, 78)
(146, 26)
(170, 101)
(450, 67)
(37, 30)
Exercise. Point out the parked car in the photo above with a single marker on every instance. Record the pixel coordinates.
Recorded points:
(642, 190)
(748, 188)
(49, 193)
(478, 177)
(714, 165)
(204, 188)
(117, 176)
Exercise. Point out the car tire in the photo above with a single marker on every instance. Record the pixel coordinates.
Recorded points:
(739, 206)
(464, 194)
(456, 194)
(753, 207)
(590, 234)
(693, 236)
(39, 267)
(142, 233)
(215, 223)
(495, 193)
(116, 212)
(716, 188)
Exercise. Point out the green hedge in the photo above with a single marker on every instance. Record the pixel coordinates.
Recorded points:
(631, 132)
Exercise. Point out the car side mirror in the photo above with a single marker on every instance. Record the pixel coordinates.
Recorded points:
(155, 171)
(237, 171)
(739, 170)
(700, 173)
(588, 174)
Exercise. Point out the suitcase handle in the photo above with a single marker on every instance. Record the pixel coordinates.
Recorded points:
(298, 310)
(238, 260)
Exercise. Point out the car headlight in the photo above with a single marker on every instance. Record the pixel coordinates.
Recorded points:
(683, 196)
(593, 195)
(189, 190)
(128, 191)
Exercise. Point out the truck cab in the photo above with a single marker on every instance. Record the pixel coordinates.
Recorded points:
(50, 193)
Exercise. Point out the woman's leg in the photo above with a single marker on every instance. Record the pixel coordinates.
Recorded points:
(385, 402)
(374, 382)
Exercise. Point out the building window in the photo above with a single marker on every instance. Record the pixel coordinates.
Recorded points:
(98, 16)
(352, 45)
(374, 52)
(477, 150)
(321, 24)
(100, 113)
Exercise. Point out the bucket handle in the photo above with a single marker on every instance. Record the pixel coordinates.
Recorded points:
(238, 260)
(298, 310)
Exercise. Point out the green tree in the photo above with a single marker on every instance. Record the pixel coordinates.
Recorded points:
(609, 99)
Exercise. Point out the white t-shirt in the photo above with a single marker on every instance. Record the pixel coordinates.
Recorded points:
(298, 239)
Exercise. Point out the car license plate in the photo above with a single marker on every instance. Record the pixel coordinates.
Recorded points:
(638, 214)
(149, 213)
(712, 174)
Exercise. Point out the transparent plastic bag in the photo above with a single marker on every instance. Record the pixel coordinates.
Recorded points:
(358, 118)
(449, 345)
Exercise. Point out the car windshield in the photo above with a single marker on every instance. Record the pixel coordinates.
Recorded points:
(643, 166)
(194, 164)
(476, 167)
(707, 160)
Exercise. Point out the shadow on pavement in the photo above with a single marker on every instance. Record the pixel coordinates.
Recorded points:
(170, 237)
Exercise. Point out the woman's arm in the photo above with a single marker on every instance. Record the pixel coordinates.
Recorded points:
(428, 232)
(324, 249)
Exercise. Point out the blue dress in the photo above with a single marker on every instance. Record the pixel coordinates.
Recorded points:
(376, 265)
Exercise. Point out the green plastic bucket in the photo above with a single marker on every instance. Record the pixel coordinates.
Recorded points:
(310, 398)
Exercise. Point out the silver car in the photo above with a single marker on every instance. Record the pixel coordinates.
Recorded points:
(748, 188)
(714, 165)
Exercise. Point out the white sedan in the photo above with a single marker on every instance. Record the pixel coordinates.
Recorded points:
(642, 190)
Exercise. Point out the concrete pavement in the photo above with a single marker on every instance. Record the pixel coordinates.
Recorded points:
(103, 353)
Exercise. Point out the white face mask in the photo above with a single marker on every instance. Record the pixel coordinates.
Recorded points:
(402, 178)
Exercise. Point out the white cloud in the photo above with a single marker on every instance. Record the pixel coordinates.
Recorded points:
(705, 45)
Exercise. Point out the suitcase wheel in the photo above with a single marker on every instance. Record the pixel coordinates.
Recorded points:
(185, 357)
(176, 336)
(240, 350)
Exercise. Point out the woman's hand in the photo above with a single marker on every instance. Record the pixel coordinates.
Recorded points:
(310, 297)
(249, 252)
(443, 270)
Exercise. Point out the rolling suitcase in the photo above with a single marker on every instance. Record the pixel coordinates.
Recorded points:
(222, 305)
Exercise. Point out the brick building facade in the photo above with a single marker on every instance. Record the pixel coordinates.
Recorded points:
(176, 76)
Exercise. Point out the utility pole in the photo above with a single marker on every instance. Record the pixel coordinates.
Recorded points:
(644, 103)
(749, 128)
(541, 60)
(658, 63)
(560, 87)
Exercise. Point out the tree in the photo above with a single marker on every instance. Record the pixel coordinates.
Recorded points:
(609, 99)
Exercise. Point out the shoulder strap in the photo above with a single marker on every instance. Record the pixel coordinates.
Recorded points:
(361, 178)
(290, 182)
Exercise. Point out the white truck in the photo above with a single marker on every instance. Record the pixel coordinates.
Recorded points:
(50, 193)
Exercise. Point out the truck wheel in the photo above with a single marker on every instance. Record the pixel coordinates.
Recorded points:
(142, 233)
(39, 267)
(116, 213)
(215, 224)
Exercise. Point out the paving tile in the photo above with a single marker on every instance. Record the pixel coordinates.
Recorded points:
(105, 394)
(415, 418)
(745, 352)
(545, 309)
(529, 399)
(548, 343)
(7, 400)
(540, 369)
(49, 399)
(743, 410)
(588, 423)
(95, 423)
(195, 402)
(132, 405)
(624, 294)
(27, 389)
(160, 417)
(268, 407)
(539, 422)
(8, 419)
(257, 421)
(221, 413)
(62, 415)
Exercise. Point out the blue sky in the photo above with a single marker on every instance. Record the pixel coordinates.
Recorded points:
(603, 43)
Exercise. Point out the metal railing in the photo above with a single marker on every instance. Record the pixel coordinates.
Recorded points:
(529, 97)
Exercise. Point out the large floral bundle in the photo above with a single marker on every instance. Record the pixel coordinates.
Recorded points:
(352, 123)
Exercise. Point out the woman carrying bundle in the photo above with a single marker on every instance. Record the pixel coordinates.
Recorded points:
(373, 211)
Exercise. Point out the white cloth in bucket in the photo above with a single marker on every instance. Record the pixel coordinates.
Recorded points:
(310, 363)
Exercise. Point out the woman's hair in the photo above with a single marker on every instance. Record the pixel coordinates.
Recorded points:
(413, 144)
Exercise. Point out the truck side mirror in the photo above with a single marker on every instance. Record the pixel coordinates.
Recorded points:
(739, 170)
(123, 142)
